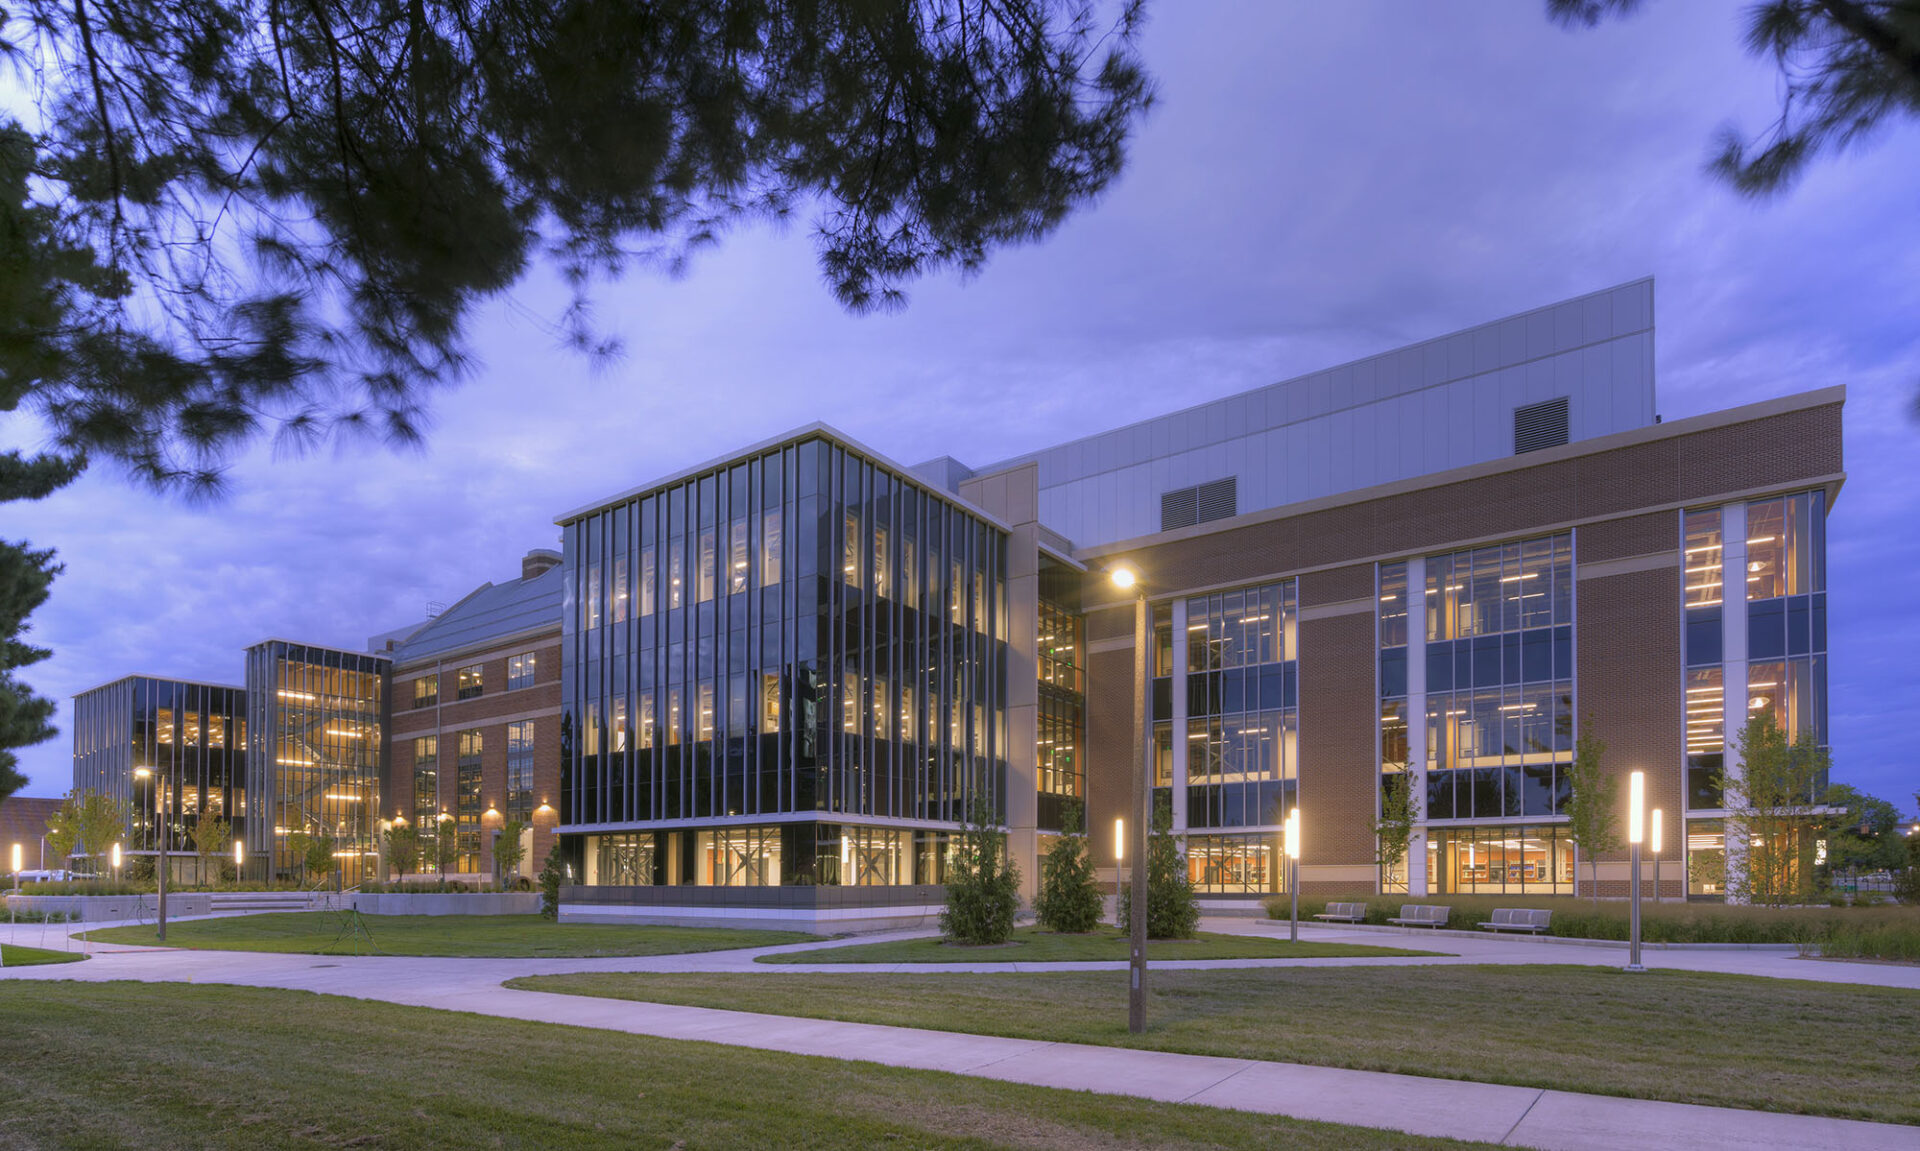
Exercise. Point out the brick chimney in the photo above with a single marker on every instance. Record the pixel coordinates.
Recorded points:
(538, 561)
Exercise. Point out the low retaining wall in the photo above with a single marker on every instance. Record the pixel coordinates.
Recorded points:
(449, 903)
(109, 908)
(824, 910)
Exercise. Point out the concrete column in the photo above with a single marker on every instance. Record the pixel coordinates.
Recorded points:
(1417, 722)
(1733, 655)
(1179, 715)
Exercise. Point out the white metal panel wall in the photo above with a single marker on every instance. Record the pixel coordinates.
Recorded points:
(1440, 404)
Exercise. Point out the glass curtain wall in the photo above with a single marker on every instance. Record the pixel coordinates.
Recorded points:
(800, 634)
(1243, 727)
(174, 753)
(318, 716)
(1779, 596)
(1061, 728)
(1496, 697)
(1499, 696)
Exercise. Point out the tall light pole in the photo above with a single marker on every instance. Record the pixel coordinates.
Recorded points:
(1636, 831)
(1119, 857)
(1126, 579)
(159, 817)
(1653, 834)
(1293, 873)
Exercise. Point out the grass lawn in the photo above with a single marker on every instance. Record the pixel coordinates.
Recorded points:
(488, 936)
(12, 955)
(1032, 945)
(1725, 1040)
(160, 1065)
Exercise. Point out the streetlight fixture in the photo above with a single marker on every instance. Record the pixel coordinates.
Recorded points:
(116, 861)
(1293, 873)
(1119, 857)
(1636, 831)
(1653, 837)
(19, 861)
(160, 870)
(239, 860)
(1126, 579)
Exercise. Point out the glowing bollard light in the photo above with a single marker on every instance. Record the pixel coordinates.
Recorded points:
(1636, 832)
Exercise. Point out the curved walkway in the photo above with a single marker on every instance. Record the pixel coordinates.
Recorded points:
(1518, 1116)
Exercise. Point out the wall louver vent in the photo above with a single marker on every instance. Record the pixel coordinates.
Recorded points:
(1220, 499)
(1541, 425)
(1185, 507)
(1179, 509)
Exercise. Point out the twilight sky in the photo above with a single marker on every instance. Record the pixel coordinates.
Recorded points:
(1318, 182)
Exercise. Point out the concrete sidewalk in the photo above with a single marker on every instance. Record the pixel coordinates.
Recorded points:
(1515, 1116)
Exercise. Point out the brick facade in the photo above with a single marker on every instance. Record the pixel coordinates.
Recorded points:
(1620, 497)
(490, 712)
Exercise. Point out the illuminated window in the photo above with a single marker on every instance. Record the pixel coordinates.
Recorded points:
(426, 691)
(468, 685)
(520, 771)
(770, 549)
(520, 671)
(1703, 568)
(620, 590)
(737, 557)
(707, 559)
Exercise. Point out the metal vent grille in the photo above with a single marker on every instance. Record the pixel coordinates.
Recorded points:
(1219, 500)
(1541, 425)
(1185, 507)
(1179, 509)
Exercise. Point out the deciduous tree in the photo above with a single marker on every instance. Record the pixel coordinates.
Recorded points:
(1772, 812)
(1593, 808)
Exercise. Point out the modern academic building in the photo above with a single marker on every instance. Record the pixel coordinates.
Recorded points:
(769, 688)
(788, 672)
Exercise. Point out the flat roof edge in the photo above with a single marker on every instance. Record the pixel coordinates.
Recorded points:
(817, 429)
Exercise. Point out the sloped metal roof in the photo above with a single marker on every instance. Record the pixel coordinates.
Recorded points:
(490, 614)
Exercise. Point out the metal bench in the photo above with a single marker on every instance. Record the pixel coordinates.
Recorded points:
(1422, 915)
(1344, 912)
(1519, 919)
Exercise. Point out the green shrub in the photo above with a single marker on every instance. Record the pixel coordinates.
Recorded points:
(1069, 898)
(1659, 923)
(983, 886)
(551, 876)
(1173, 912)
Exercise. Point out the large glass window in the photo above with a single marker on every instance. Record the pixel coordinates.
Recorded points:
(467, 805)
(426, 691)
(1242, 726)
(1523, 860)
(520, 770)
(1499, 679)
(1235, 864)
(469, 682)
(1704, 569)
(520, 671)
(426, 783)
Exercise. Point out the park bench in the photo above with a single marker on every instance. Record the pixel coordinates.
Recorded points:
(1519, 919)
(1422, 915)
(1344, 912)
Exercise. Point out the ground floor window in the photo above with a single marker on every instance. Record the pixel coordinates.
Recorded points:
(1500, 860)
(1236, 864)
(793, 854)
(1706, 857)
